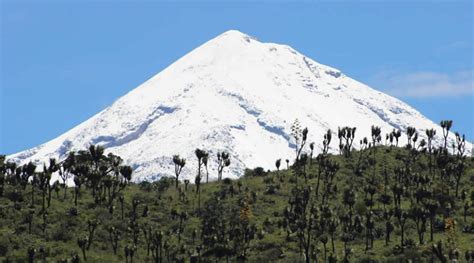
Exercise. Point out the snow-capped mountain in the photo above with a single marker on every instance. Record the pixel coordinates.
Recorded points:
(232, 94)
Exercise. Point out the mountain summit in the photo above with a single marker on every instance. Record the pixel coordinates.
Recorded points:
(232, 94)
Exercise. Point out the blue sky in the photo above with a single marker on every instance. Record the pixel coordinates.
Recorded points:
(62, 63)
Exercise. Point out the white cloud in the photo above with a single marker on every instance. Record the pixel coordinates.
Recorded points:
(425, 84)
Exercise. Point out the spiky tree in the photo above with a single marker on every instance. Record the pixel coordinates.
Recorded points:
(278, 164)
(375, 132)
(446, 125)
(411, 133)
(44, 179)
(82, 243)
(431, 206)
(460, 144)
(200, 154)
(349, 199)
(376, 135)
(430, 134)
(346, 138)
(396, 134)
(157, 245)
(148, 234)
(179, 163)
(186, 183)
(114, 238)
(300, 136)
(402, 217)
(223, 160)
(332, 228)
(92, 225)
(65, 170)
(388, 225)
(28, 171)
(24, 173)
(302, 218)
(81, 172)
(129, 251)
(419, 215)
(326, 142)
(34, 184)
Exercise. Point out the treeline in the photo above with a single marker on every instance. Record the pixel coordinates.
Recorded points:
(378, 203)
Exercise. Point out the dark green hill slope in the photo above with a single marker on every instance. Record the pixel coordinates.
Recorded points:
(338, 208)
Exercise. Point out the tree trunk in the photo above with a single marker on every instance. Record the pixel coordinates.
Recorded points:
(32, 195)
(332, 244)
(49, 196)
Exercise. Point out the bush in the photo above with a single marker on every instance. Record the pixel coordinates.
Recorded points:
(227, 181)
(256, 172)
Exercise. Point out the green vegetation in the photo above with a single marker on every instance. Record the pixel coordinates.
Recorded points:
(381, 203)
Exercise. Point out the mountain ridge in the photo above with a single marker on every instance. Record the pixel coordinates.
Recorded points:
(234, 94)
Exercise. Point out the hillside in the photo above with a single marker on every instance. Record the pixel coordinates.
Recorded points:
(261, 217)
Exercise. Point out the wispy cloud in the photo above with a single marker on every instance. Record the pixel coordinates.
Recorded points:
(425, 84)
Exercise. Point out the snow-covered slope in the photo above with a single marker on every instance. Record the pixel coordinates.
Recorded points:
(236, 94)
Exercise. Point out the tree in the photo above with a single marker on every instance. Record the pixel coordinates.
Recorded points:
(349, 200)
(346, 138)
(82, 243)
(157, 241)
(91, 227)
(245, 231)
(179, 163)
(419, 215)
(402, 217)
(332, 228)
(388, 226)
(129, 250)
(302, 218)
(44, 179)
(200, 155)
(81, 172)
(300, 136)
(446, 125)
(277, 164)
(397, 134)
(197, 181)
(411, 133)
(28, 171)
(430, 134)
(326, 142)
(460, 144)
(376, 135)
(65, 170)
(223, 160)
(114, 238)
(29, 216)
